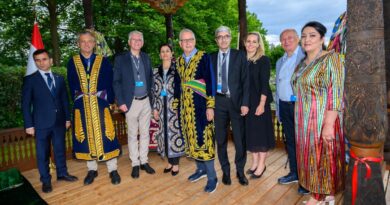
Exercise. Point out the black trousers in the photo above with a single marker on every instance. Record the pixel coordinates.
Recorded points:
(225, 113)
(286, 113)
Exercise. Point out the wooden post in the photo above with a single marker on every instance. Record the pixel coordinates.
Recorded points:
(386, 17)
(169, 28)
(243, 22)
(88, 14)
(366, 101)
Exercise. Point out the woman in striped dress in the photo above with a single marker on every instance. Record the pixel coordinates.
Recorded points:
(318, 83)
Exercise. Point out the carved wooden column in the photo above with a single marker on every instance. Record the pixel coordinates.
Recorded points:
(365, 114)
(386, 16)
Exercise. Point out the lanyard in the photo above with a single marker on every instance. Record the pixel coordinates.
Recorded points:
(221, 61)
(136, 62)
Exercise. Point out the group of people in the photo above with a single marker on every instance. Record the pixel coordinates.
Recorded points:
(195, 100)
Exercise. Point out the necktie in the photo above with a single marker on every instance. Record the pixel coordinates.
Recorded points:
(224, 84)
(50, 83)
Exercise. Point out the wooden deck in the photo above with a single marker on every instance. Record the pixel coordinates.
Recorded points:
(162, 188)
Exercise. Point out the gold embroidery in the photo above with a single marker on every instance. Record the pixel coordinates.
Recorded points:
(84, 156)
(111, 155)
(78, 127)
(109, 126)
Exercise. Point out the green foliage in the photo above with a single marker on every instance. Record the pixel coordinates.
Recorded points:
(11, 81)
(274, 54)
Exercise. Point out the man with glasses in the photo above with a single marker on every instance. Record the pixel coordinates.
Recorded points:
(133, 80)
(197, 108)
(231, 103)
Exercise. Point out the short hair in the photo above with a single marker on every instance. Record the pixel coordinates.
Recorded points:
(319, 27)
(288, 30)
(86, 32)
(186, 30)
(167, 45)
(136, 32)
(260, 50)
(40, 51)
(223, 29)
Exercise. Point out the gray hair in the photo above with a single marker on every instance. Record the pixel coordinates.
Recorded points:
(186, 30)
(223, 29)
(86, 32)
(288, 30)
(136, 32)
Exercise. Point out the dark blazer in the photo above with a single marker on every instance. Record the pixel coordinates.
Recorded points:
(40, 108)
(261, 69)
(238, 77)
(124, 79)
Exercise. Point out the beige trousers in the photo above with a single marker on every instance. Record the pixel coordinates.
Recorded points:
(138, 122)
(111, 165)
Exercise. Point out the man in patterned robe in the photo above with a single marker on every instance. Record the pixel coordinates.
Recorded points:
(197, 108)
(90, 79)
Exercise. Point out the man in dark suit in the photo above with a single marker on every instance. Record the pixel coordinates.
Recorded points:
(231, 102)
(133, 80)
(46, 116)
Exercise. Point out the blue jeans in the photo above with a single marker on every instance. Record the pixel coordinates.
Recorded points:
(207, 166)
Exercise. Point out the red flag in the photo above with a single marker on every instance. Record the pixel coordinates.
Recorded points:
(36, 43)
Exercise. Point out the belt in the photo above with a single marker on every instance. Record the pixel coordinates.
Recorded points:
(141, 98)
(223, 95)
(287, 102)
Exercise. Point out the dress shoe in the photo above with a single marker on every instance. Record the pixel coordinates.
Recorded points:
(68, 178)
(115, 178)
(288, 179)
(92, 174)
(174, 173)
(46, 187)
(199, 174)
(249, 171)
(166, 170)
(302, 190)
(254, 176)
(242, 179)
(226, 179)
(148, 169)
(211, 185)
(135, 172)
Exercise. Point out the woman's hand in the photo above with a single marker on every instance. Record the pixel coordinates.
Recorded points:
(328, 133)
(156, 115)
(259, 109)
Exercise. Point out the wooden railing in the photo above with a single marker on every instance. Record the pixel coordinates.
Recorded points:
(18, 149)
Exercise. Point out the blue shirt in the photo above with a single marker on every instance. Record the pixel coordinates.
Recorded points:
(283, 85)
(188, 58)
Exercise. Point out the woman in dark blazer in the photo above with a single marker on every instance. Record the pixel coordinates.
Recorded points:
(259, 128)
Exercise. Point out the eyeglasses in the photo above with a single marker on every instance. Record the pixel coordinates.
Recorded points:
(219, 38)
(190, 40)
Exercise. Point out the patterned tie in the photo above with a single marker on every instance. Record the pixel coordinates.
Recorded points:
(224, 84)
(50, 83)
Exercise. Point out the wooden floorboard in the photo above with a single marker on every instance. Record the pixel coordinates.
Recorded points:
(164, 189)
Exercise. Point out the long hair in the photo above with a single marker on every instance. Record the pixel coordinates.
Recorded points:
(260, 50)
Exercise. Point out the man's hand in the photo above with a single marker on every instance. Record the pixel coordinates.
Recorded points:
(244, 110)
(30, 131)
(210, 114)
(123, 108)
(67, 124)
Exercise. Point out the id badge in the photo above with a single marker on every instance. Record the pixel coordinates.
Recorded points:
(139, 83)
(219, 88)
(163, 93)
(293, 98)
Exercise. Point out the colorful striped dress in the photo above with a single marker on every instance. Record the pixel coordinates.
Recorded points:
(319, 87)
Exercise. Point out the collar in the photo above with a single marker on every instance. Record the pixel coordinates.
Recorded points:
(193, 52)
(43, 72)
(285, 56)
(227, 52)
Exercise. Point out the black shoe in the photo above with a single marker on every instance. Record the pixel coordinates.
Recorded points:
(288, 179)
(92, 174)
(226, 179)
(249, 171)
(174, 173)
(115, 178)
(147, 168)
(302, 190)
(166, 170)
(46, 187)
(242, 179)
(68, 178)
(135, 172)
(254, 176)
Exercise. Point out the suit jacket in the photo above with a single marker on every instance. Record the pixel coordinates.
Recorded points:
(124, 79)
(279, 65)
(238, 77)
(40, 108)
